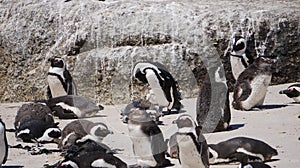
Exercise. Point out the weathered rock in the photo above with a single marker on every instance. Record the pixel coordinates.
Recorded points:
(102, 40)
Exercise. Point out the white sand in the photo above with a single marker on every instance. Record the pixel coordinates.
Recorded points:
(278, 126)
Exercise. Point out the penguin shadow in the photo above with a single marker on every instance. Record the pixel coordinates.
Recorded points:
(12, 166)
(271, 160)
(235, 127)
(270, 106)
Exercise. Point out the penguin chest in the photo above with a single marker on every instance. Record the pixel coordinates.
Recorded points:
(2, 144)
(188, 153)
(141, 146)
(259, 87)
(237, 66)
(56, 86)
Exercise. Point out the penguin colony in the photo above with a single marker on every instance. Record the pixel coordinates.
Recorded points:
(81, 141)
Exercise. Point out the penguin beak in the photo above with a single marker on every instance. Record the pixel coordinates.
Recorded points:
(174, 122)
(284, 91)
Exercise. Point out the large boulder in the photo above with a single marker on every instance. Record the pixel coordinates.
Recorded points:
(102, 41)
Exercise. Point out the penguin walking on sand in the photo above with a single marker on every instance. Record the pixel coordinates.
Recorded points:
(79, 131)
(188, 144)
(251, 86)
(212, 107)
(147, 139)
(293, 92)
(72, 106)
(242, 53)
(3, 144)
(163, 89)
(242, 149)
(59, 79)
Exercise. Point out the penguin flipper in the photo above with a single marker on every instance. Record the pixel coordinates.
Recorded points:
(48, 93)
(69, 82)
(246, 90)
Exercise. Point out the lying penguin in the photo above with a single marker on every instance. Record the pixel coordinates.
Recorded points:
(79, 131)
(3, 144)
(72, 107)
(293, 92)
(148, 142)
(241, 148)
(251, 86)
(188, 144)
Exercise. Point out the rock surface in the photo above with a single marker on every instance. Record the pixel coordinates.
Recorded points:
(102, 41)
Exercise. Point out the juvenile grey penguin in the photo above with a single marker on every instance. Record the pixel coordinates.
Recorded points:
(212, 107)
(33, 111)
(188, 144)
(293, 92)
(72, 106)
(79, 131)
(163, 89)
(241, 148)
(241, 55)
(3, 144)
(147, 139)
(59, 79)
(251, 86)
(36, 130)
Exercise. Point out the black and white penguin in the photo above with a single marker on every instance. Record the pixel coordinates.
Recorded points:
(147, 139)
(79, 131)
(241, 148)
(293, 92)
(190, 145)
(251, 86)
(38, 131)
(212, 107)
(254, 165)
(59, 79)
(3, 143)
(241, 55)
(33, 111)
(142, 105)
(163, 89)
(72, 106)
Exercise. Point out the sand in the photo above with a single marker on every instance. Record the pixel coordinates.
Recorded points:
(277, 123)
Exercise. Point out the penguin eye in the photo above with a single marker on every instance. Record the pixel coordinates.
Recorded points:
(290, 89)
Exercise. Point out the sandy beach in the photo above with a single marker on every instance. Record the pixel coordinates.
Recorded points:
(277, 123)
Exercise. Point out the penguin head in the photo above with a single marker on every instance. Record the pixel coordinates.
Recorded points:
(185, 120)
(137, 115)
(57, 62)
(291, 91)
(100, 130)
(239, 44)
(50, 134)
(68, 164)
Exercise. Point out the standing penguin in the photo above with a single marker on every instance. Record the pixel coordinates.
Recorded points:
(251, 86)
(212, 108)
(293, 92)
(241, 55)
(147, 140)
(163, 90)
(188, 144)
(3, 144)
(59, 79)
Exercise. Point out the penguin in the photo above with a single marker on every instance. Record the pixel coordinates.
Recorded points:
(254, 165)
(212, 106)
(79, 131)
(251, 86)
(38, 131)
(190, 145)
(30, 111)
(147, 139)
(241, 55)
(143, 105)
(94, 159)
(241, 148)
(163, 87)
(293, 92)
(59, 79)
(3, 143)
(72, 106)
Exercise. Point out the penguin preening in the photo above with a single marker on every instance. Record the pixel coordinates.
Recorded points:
(293, 91)
(3, 143)
(163, 89)
(241, 148)
(242, 53)
(188, 144)
(147, 139)
(212, 107)
(79, 131)
(72, 106)
(251, 86)
(59, 79)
